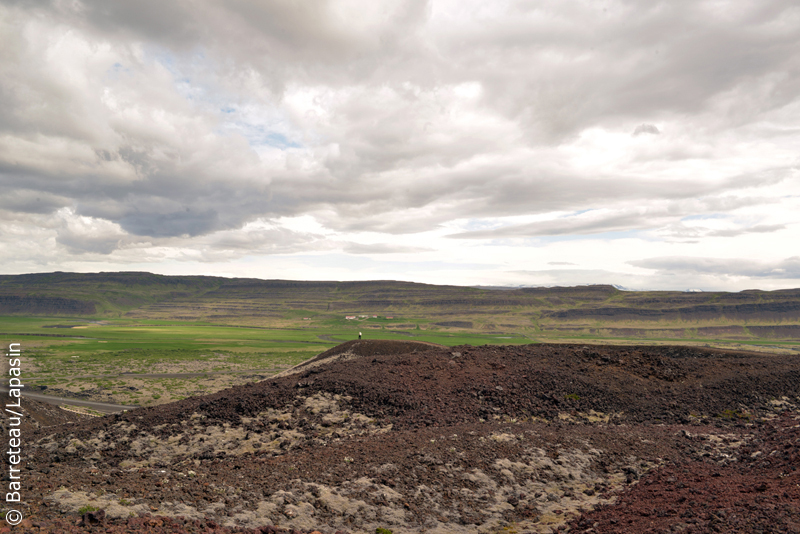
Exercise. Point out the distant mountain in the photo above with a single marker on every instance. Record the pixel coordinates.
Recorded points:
(592, 310)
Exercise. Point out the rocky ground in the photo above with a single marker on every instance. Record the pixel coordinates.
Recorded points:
(36, 415)
(419, 438)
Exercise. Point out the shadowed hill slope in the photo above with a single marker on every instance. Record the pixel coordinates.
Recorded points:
(360, 348)
(75, 294)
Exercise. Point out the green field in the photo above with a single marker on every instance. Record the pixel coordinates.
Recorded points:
(85, 333)
(93, 356)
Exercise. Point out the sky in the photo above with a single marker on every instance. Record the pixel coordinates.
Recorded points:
(650, 145)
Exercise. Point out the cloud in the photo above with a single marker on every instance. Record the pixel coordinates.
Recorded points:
(31, 201)
(130, 150)
(83, 235)
(788, 268)
(575, 225)
(659, 218)
(258, 238)
(721, 227)
(172, 128)
(646, 129)
(758, 229)
(382, 248)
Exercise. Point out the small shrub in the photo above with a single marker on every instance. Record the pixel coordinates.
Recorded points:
(88, 508)
(734, 414)
(572, 396)
(380, 530)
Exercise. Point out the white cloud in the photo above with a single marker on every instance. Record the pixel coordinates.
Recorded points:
(241, 133)
(726, 267)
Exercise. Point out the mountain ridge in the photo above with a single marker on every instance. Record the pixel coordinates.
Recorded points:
(588, 310)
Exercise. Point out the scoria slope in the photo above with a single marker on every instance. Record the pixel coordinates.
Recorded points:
(537, 438)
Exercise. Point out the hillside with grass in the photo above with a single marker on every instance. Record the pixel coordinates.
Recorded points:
(582, 312)
(94, 294)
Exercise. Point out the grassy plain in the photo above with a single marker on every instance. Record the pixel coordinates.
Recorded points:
(140, 338)
(152, 362)
(146, 362)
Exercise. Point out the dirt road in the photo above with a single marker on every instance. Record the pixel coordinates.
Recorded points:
(99, 406)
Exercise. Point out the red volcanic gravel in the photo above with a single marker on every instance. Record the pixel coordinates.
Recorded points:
(758, 492)
(450, 439)
(96, 522)
(433, 388)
